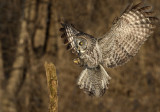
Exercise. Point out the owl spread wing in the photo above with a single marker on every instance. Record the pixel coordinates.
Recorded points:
(69, 32)
(126, 36)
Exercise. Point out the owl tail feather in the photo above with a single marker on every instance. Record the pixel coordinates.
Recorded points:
(94, 81)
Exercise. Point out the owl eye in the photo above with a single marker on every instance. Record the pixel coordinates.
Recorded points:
(80, 43)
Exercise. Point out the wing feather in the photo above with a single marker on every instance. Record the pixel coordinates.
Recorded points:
(126, 36)
(69, 32)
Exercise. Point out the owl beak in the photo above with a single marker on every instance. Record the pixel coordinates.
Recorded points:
(78, 50)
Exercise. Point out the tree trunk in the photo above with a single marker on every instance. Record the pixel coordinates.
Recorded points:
(1, 76)
(16, 74)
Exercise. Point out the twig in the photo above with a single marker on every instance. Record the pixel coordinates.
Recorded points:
(52, 86)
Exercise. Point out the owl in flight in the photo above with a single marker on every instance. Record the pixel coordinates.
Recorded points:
(115, 48)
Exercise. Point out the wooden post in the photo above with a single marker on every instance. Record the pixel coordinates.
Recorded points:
(52, 83)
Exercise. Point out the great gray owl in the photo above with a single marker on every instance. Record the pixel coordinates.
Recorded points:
(115, 48)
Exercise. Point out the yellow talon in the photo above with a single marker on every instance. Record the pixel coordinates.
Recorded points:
(76, 61)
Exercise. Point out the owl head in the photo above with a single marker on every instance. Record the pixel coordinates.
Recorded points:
(80, 43)
(76, 40)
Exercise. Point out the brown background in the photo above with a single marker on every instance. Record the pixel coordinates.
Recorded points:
(29, 36)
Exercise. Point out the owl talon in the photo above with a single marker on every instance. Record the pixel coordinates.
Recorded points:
(76, 61)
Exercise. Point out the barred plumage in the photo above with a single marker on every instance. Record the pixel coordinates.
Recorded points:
(115, 48)
(126, 36)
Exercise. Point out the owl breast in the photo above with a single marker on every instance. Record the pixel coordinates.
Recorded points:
(92, 57)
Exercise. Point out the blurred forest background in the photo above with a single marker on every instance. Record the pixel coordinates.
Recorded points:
(29, 36)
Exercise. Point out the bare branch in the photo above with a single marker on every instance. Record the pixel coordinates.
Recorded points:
(52, 86)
